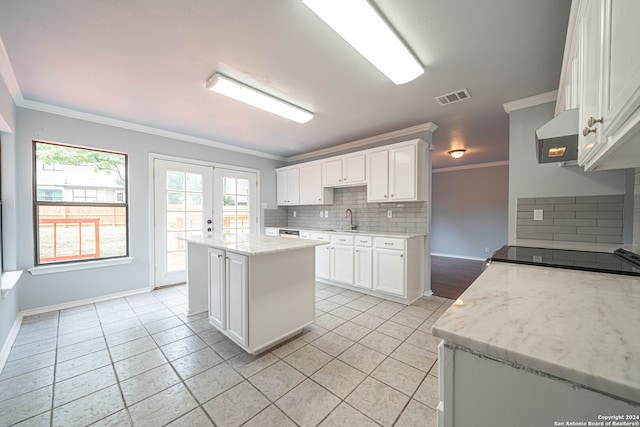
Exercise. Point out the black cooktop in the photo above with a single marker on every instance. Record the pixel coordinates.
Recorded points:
(619, 262)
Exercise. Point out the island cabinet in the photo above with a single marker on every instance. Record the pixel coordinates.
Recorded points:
(258, 291)
(538, 346)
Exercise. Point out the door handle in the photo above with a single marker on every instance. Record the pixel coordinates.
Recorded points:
(209, 221)
(209, 229)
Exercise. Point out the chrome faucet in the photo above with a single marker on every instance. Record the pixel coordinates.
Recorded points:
(349, 213)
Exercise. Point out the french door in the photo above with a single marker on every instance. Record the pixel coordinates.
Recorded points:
(235, 210)
(183, 205)
(195, 199)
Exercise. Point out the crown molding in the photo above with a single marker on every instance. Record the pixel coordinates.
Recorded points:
(424, 127)
(475, 166)
(531, 101)
(61, 111)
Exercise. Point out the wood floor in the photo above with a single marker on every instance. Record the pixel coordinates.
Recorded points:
(450, 277)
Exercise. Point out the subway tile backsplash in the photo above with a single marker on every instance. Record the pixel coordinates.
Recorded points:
(596, 219)
(636, 208)
(408, 217)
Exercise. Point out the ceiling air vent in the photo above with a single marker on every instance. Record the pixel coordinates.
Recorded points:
(450, 98)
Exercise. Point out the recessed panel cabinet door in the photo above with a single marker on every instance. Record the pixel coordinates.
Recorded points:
(402, 173)
(333, 172)
(378, 176)
(363, 267)
(323, 262)
(388, 272)
(311, 184)
(237, 270)
(217, 280)
(342, 264)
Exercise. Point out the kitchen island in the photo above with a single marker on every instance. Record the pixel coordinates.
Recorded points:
(258, 290)
(535, 346)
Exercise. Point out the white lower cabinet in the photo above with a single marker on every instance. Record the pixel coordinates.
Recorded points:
(342, 264)
(228, 293)
(363, 267)
(387, 267)
(388, 272)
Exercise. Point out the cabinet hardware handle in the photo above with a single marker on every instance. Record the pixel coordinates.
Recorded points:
(219, 256)
(385, 196)
(319, 199)
(392, 195)
(401, 255)
(340, 179)
(592, 121)
(342, 240)
(586, 131)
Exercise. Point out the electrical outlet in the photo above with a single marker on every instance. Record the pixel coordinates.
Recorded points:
(326, 214)
(389, 213)
(487, 249)
(294, 214)
(537, 214)
(321, 214)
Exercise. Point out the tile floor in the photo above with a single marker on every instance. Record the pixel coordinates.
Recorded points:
(139, 361)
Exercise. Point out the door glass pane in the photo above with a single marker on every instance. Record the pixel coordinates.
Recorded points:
(243, 186)
(236, 206)
(175, 180)
(194, 201)
(194, 182)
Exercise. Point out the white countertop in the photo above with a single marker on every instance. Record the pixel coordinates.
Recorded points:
(580, 326)
(251, 244)
(357, 232)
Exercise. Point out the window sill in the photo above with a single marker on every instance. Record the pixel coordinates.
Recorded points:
(75, 266)
(9, 280)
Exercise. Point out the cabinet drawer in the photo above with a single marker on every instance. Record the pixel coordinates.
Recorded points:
(341, 239)
(325, 237)
(363, 240)
(305, 234)
(388, 243)
(269, 231)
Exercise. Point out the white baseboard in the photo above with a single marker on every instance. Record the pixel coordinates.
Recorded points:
(197, 310)
(8, 342)
(459, 256)
(428, 293)
(78, 303)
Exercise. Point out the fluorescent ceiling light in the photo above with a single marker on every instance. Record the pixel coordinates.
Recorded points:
(362, 27)
(243, 93)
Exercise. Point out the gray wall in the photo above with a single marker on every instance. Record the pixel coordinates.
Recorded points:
(636, 208)
(469, 211)
(529, 179)
(8, 304)
(51, 289)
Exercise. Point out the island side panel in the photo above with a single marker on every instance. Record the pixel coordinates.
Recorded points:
(197, 278)
(281, 295)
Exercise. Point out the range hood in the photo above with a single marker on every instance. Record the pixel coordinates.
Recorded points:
(557, 140)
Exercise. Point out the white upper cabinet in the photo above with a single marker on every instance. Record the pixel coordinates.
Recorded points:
(348, 170)
(398, 173)
(288, 186)
(602, 61)
(393, 173)
(312, 191)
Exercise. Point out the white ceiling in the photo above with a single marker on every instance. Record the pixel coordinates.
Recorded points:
(147, 61)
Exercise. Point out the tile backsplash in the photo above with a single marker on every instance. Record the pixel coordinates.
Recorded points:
(408, 217)
(636, 208)
(597, 219)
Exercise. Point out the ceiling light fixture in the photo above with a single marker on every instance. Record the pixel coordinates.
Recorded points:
(243, 93)
(362, 27)
(456, 154)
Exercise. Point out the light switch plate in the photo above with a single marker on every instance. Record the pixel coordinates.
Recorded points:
(294, 214)
(321, 214)
(326, 214)
(537, 214)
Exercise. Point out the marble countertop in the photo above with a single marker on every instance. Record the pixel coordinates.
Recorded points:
(580, 326)
(357, 232)
(251, 244)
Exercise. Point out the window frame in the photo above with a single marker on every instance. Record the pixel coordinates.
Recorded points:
(37, 204)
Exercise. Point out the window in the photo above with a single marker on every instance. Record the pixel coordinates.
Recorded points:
(81, 214)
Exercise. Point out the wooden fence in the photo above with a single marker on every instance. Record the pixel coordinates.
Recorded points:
(107, 215)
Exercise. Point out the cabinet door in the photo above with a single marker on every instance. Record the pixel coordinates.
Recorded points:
(332, 172)
(403, 173)
(363, 267)
(282, 186)
(217, 301)
(622, 73)
(237, 270)
(378, 176)
(353, 169)
(388, 271)
(323, 262)
(591, 55)
(342, 264)
(311, 184)
(293, 186)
